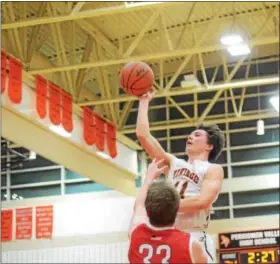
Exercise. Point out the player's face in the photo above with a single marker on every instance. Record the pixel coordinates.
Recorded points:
(197, 142)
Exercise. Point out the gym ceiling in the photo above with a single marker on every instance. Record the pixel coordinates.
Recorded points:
(82, 46)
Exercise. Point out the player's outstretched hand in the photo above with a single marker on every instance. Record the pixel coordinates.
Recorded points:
(154, 170)
(147, 96)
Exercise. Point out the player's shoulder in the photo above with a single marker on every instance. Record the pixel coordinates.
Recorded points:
(175, 159)
(140, 228)
(215, 169)
(179, 236)
(215, 166)
(180, 233)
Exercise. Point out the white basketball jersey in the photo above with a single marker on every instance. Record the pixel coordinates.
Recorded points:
(187, 179)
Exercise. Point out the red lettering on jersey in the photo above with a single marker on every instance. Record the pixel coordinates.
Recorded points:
(186, 172)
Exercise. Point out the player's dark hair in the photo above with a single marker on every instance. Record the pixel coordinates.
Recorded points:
(162, 204)
(216, 138)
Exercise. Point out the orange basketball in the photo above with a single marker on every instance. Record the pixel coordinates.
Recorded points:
(137, 78)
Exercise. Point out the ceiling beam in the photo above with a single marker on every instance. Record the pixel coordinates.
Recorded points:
(120, 9)
(63, 151)
(211, 121)
(180, 91)
(154, 56)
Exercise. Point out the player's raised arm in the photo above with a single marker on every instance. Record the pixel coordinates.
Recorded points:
(197, 253)
(210, 190)
(139, 210)
(147, 141)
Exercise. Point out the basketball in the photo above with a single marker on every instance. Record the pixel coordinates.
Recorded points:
(136, 78)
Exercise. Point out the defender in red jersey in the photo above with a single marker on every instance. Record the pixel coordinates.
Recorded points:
(153, 237)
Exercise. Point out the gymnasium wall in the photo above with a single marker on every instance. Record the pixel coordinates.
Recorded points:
(93, 227)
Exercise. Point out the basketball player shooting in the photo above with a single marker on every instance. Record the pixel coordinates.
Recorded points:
(197, 180)
(153, 237)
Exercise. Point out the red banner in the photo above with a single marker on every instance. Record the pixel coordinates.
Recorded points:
(100, 132)
(112, 139)
(44, 221)
(67, 111)
(55, 104)
(24, 223)
(89, 129)
(15, 81)
(3, 70)
(41, 96)
(6, 225)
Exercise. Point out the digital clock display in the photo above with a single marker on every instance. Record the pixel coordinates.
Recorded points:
(264, 255)
(246, 247)
(260, 256)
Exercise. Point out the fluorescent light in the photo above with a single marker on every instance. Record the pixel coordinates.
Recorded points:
(253, 82)
(240, 49)
(260, 127)
(275, 102)
(232, 39)
(32, 155)
(60, 131)
(103, 155)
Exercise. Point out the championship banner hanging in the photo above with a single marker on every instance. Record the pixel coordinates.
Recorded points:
(6, 225)
(44, 221)
(100, 132)
(41, 96)
(112, 139)
(24, 223)
(3, 70)
(55, 104)
(89, 129)
(15, 81)
(67, 111)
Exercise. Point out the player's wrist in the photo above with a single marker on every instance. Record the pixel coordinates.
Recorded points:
(144, 103)
(149, 180)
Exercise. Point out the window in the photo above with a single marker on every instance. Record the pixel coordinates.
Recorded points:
(255, 170)
(38, 162)
(223, 200)
(215, 110)
(3, 180)
(250, 137)
(35, 176)
(225, 172)
(178, 145)
(260, 196)
(222, 159)
(138, 182)
(255, 211)
(37, 191)
(70, 175)
(71, 188)
(255, 154)
(3, 195)
(220, 214)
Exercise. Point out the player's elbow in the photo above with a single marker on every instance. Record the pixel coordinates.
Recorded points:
(205, 204)
(142, 135)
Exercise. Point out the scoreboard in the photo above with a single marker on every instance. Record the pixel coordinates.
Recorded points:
(247, 247)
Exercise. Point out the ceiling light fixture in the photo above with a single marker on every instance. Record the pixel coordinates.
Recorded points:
(232, 39)
(238, 50)
(260, 127)
(275, 102)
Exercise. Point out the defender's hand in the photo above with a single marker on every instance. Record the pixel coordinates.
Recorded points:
(154, 171)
